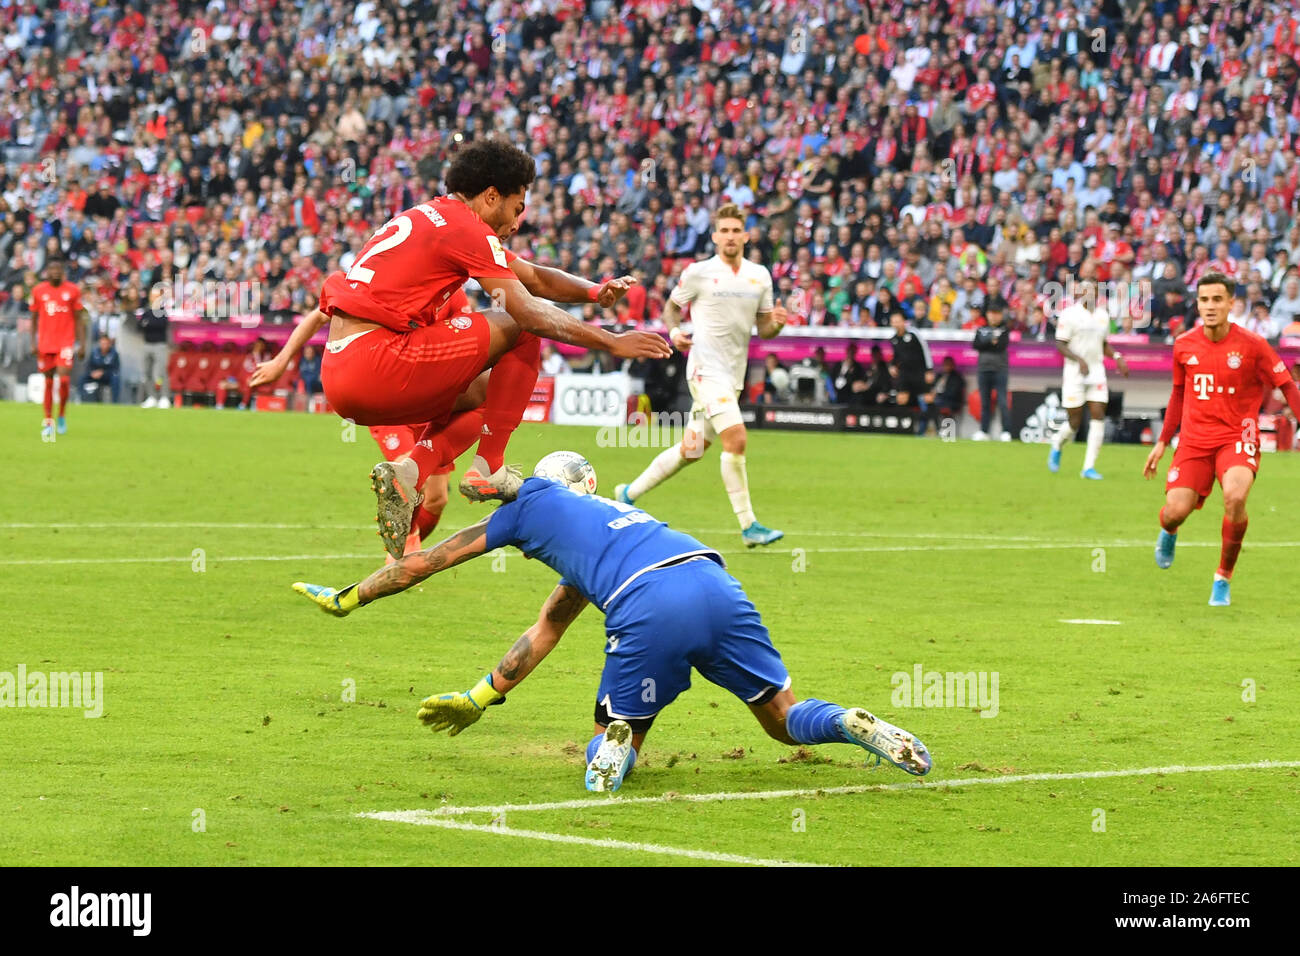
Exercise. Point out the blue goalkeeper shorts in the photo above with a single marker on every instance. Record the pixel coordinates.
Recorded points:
(688, 615)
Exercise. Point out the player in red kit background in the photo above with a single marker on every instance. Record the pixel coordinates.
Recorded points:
(392, 358)
(1222, 374)
(59, 324)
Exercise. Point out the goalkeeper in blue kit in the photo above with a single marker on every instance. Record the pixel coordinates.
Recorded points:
(669, 607)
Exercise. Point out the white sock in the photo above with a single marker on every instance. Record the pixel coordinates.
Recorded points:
(666, 464)
(1063, 437)
(736, 480)
(1096, 435)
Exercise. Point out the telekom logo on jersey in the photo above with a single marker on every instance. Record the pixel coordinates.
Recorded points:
(1203, 385)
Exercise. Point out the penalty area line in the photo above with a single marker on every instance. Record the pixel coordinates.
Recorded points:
(422, 818)
(609, 802)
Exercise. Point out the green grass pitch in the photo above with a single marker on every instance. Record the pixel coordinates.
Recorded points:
(157, 547)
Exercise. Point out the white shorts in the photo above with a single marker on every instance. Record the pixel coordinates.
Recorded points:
(716, 407)
(1075, 391)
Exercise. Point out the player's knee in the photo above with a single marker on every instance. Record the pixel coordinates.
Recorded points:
(735, 441)
(693, 447)
(1234, 504)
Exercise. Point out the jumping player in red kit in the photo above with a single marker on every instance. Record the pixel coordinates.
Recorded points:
(59, 323)
(1222, 374)
(394, 357)
(397, 441)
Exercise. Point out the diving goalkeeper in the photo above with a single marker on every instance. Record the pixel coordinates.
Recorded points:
(669, 606)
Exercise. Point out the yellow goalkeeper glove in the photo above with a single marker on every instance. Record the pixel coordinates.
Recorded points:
(454, 712)
(339, 603)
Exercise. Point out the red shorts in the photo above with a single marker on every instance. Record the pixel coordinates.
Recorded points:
(1196, 468)
(382, 377)
(49, 361)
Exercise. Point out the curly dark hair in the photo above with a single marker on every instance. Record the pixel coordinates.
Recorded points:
(490, 162)
(1218, 278)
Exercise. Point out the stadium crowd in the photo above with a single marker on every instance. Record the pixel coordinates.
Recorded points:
(928, 158)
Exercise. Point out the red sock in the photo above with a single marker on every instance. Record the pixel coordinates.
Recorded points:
(49, 395)
(1233, 533)
(424, 521)
(441, 444)
(1168, 526)
(510, 386)
(65, 388)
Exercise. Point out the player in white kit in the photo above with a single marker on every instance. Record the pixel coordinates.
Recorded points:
(727, 295)
(1081, 336)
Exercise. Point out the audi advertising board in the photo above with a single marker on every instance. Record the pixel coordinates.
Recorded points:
(600, 400)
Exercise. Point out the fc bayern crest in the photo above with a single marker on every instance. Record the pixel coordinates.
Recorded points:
(460, 321)
(391, 441)
(1173, 475)
(1234, 360)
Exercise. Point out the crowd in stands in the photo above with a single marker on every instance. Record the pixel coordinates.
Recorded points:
(927, 158)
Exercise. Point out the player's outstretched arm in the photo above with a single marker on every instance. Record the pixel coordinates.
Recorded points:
(454, 712)
(560, 286)
(545, 320)
(411, 570)
(270, 370)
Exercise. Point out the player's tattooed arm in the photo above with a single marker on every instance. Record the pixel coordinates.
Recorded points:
(564, 604)
(411, 570)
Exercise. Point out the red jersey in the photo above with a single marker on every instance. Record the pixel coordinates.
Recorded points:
(1225, 384)
(412, 265)
(56, 309)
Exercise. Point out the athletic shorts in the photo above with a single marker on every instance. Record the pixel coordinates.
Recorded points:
(692, 614)
(381, 377)
(49, 361)
(1075, 392)
(1196, 468)
(716, 407)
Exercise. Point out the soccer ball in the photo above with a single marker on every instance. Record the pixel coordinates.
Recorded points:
(569, 469)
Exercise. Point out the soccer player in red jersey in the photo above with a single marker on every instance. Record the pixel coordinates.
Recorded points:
(1222, 374)
(59, 327)
(391, 358)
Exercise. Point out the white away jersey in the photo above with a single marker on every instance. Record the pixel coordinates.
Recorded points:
(723, 305)
(1085, 331)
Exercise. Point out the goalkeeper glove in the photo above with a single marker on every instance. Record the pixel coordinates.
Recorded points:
(339, 603)
(454, 712)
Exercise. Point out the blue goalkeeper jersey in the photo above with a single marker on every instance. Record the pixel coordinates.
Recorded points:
(597, 545)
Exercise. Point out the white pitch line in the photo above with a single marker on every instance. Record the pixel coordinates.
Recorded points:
(421, 818)
(602, 803)
(1086, 620)
(77, 526)
(188, 559)
(882, 549)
